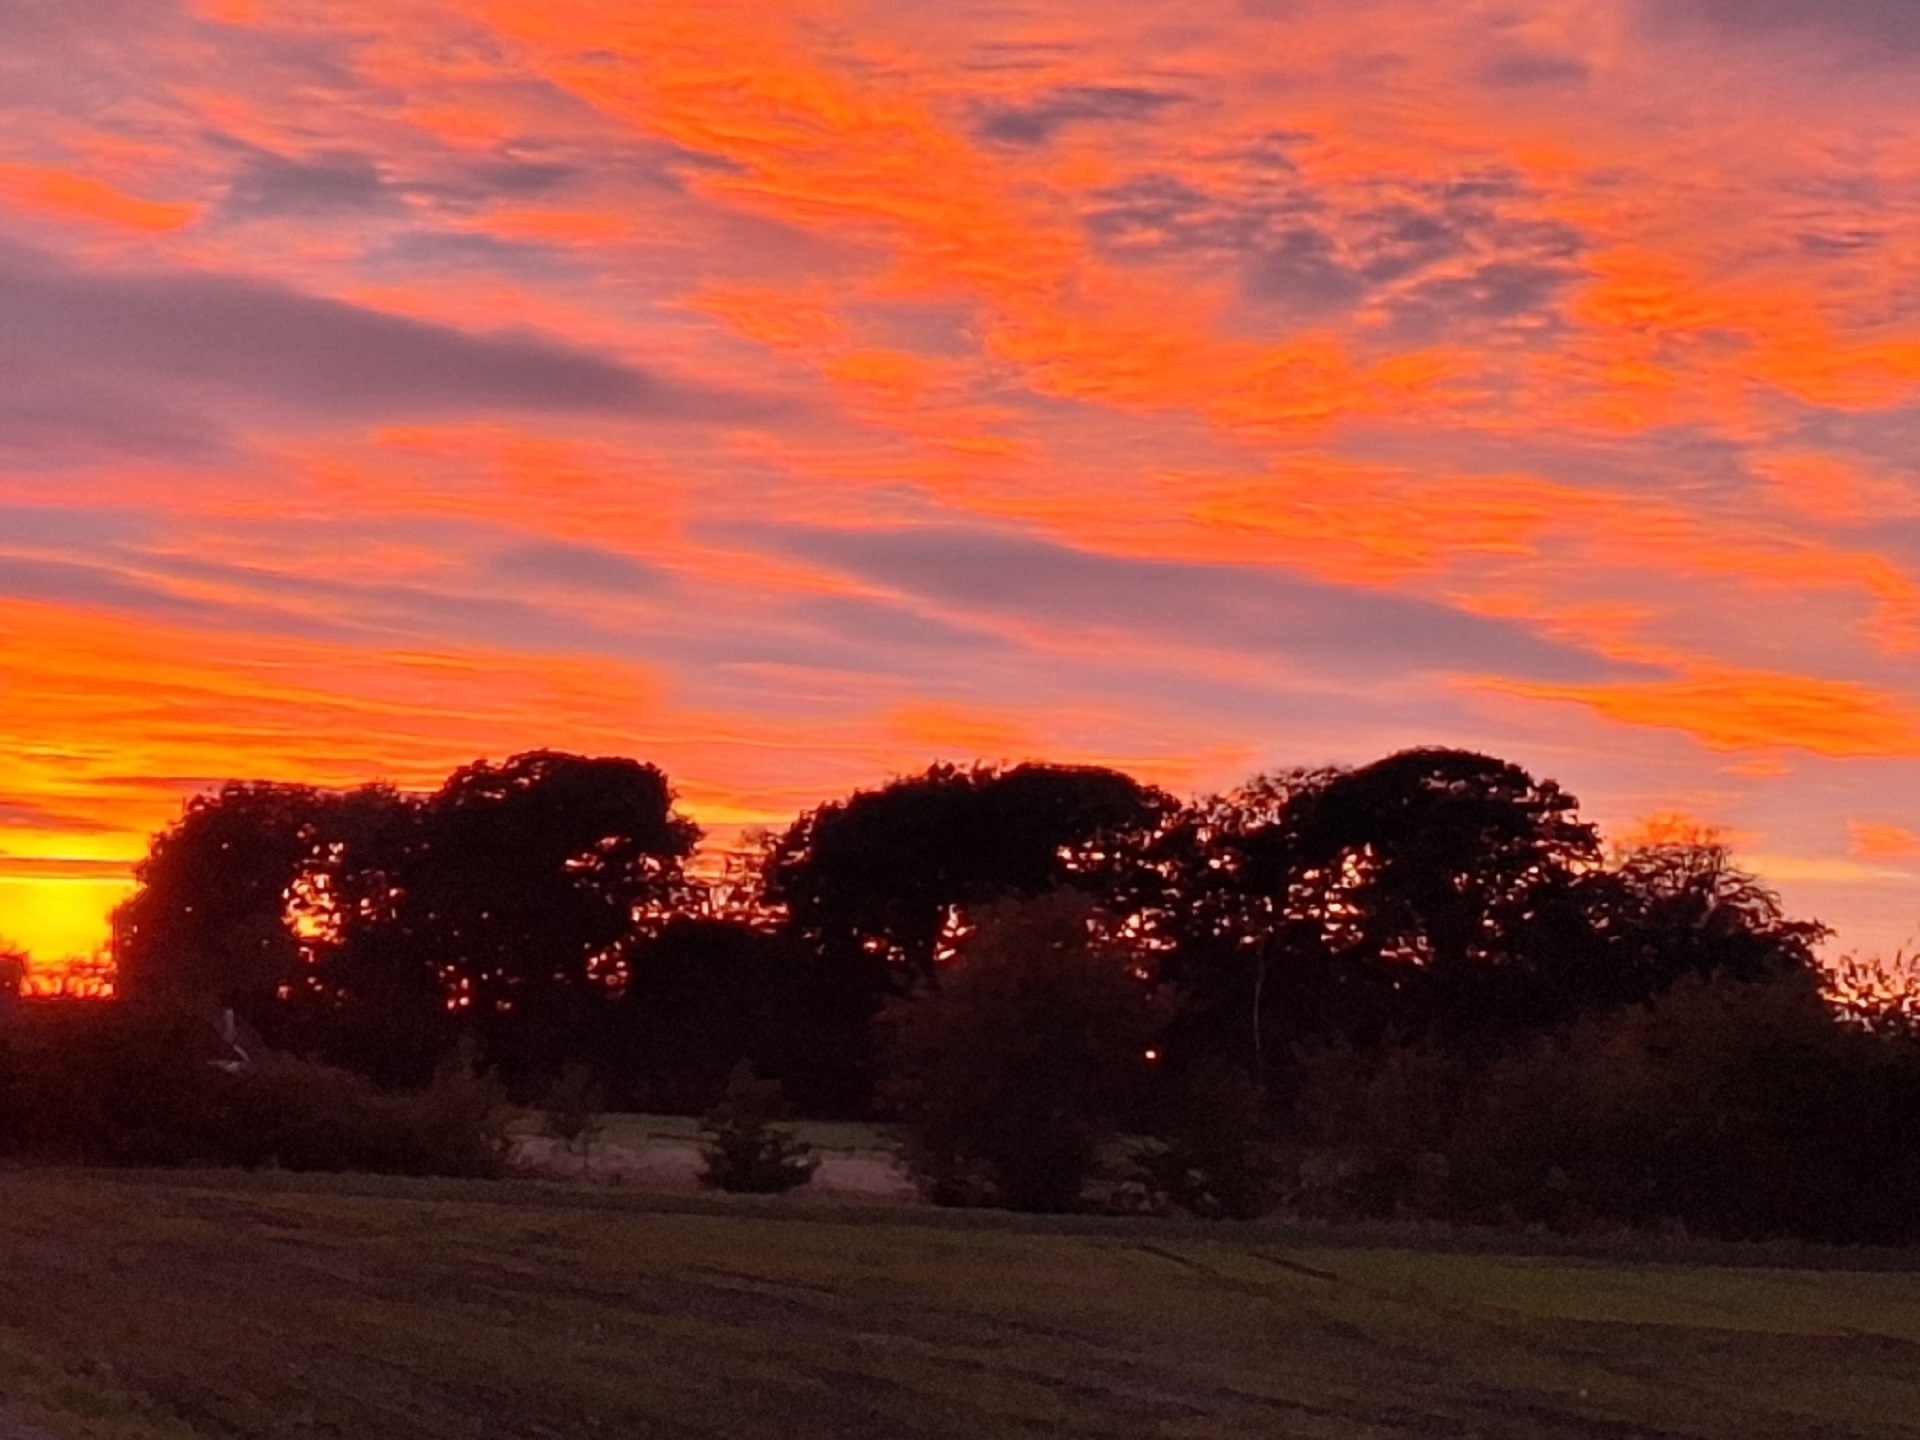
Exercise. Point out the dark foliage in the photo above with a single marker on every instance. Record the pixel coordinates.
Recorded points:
(570, 1110)
(884, 873)
(223, 892)
(1437, 894)
(705, 994)
(373, 929)
(1216, 1152)
(1014, 1072)
(745, 1152)
(13, 976)
(1681, 908)
(1743, 1110)
(1424, 965)
(524, 889)
(115, 1084)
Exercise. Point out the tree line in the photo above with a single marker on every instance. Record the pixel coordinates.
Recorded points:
(545, 909)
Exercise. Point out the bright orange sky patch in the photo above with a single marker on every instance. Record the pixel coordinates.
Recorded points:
(1883, 842)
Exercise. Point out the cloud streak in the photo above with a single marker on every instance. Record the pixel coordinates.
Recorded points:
(1259, 614)
(308, 354)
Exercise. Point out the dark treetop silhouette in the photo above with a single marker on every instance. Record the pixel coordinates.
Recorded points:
(542, 904)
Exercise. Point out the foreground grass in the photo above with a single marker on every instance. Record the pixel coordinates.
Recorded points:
(139, 1307)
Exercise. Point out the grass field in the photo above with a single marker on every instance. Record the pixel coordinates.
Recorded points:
(140, 1306)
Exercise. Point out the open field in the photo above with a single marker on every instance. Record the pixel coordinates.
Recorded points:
(143, 1306)
(663, 1152)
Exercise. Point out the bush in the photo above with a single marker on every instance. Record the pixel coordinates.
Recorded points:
(1366, 1128)
(1740, 1110)
(111, 1084)
(295, 1115)
(104, 1084)
(1216, 1153)
(571, 1113)
(745, 1153)
(1014, 1072)
(1743, 1110)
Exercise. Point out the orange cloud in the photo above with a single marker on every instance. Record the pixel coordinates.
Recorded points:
(954, 734)
(65, 193)
(1869, 841)
(1731, 709)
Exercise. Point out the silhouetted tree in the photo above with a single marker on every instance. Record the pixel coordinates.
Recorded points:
(236, 898)
(1210, 891)
(373, 928)
(1434, 891)
(522, 891)
(702, 996)
(1879, 994)
(13, 976)
(1443, 862)
(1683, 907)
(886, 874)
(1011, 1073)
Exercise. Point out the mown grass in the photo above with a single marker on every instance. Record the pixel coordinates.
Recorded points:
(139, 1307)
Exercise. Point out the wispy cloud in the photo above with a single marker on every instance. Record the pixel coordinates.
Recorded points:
(1039, 120)
(307, 354)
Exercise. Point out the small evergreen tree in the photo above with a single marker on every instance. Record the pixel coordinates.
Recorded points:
(571, 1116)
(745, 1152)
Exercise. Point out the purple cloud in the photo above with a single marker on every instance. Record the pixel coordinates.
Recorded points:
(1864, 27)
(315, 356)
(1038, 121)
(1263, 613)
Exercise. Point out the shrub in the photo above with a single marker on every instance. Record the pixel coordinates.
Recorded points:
(1744, 1110)
(109, 1085)
(1012, 1074)
(1740, 1110)
(745, 1153)
(1366, 1128)
(296, 1115)
(571, 1115)
(1216, 1153)
(113, 1084)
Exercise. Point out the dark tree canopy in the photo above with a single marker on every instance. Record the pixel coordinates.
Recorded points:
(1676, 908)
(1432, 891)
(524, 885)
(543, 905)
(884, 873)
(703, 995)
(371, 927)
(1437, 859)
(227, 891)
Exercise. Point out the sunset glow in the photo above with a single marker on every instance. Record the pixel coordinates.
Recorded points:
(794, 393)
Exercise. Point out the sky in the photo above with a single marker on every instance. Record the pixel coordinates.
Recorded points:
(796, 392)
